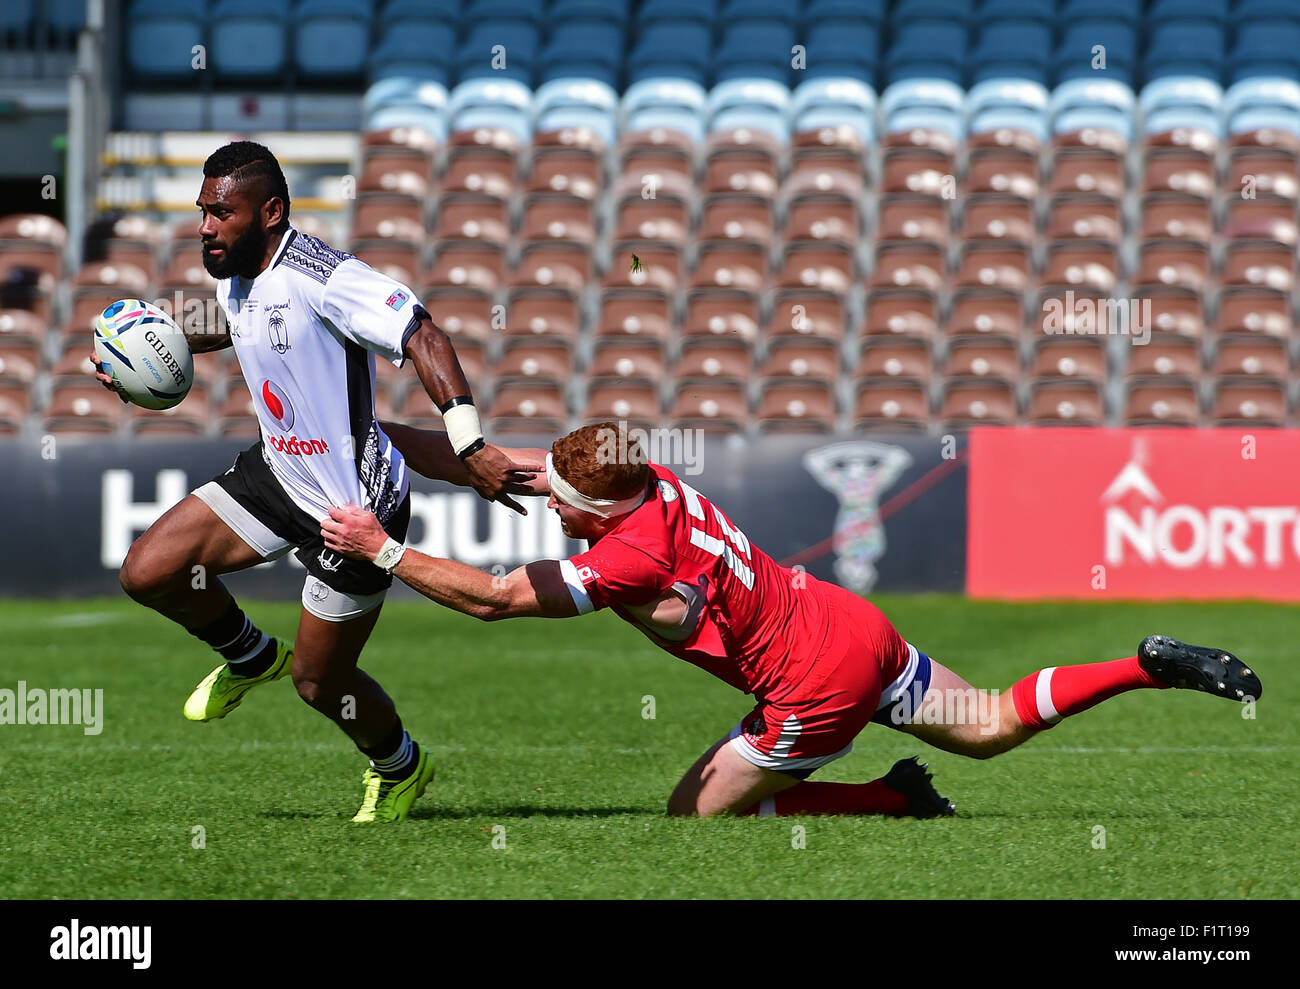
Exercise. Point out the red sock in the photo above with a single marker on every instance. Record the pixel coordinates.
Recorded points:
(1044, 698)
(832, 798)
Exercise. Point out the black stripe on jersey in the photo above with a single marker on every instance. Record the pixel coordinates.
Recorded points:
(373, 469)
(313, 257)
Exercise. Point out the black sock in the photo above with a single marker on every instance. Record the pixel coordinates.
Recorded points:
(246, 649)
(396, 756)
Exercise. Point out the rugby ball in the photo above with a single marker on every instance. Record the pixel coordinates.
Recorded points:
(141, 348)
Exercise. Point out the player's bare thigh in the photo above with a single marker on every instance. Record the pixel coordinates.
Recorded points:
(722, 781)
(956, 717)
(188, 535)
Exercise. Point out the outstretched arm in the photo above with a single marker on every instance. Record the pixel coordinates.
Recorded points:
(536, 590)
(429, 452)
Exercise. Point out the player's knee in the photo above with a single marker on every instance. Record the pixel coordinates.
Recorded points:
(142, 575)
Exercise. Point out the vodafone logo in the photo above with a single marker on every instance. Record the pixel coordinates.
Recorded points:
(277, 403)
(1141, 526)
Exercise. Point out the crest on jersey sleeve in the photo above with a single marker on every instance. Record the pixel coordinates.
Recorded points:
(397, 299)
(587, 574)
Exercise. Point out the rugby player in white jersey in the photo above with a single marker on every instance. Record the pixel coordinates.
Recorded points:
(307, 322)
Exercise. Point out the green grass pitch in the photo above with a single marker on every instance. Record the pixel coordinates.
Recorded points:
(541, 744)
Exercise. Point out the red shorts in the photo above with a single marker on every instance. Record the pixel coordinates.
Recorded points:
(863, 666)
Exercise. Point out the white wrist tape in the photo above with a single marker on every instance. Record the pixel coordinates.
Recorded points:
(389, 556)
(463, 427)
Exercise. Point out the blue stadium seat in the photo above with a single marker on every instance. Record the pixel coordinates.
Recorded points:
(657, 11)
(1165, 11)
(928, 49)
(495, 102)
(64, 17)
(411, 49)
(755, 49)
(577, 103)
(406, 102)
(735, 11)
(1184, 48)
(831, 102)
(678, 49)
(932, 104)
(1075, 54)
(444, 11)
(160, 38)
(249, 39)
(1012, 49)
(1043, 11)
(1100, 103)
(1125, 11)
(615, 11)
(903, 12)
(758, 104)
(584, 49)
(1245, 9)
(518, 45)
(1266, 48)
(821, 10)
(671, 103)
(331, 38)
(1180, 101)
(840, 48)
(1253, 104)
(16, 16)
(1017, 104)
(525, 11)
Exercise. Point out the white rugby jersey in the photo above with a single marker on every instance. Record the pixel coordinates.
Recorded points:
(306, 331)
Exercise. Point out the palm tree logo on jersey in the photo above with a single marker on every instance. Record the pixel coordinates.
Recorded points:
(279, 331)
(277, 403)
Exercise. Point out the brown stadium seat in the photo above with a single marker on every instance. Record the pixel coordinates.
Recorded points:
(634, 315)
(1179, 313)
(20, 361)
(73, 363)
(978, 312)
(397, 262)
(15, 403)
(630, 360)
(34, 239)
(666, 218)
(891, 404)
(1272, 220)
(710, 360)
(985, 358)
(1273, 139)
(1200, 141)
(817, 268)
(484, 143)
(788, 406)
(1177, 217)
(462, 318)
(385, 216)
(386, 404)
(556, 254)
(1186, 175)
(548, 270)
(911, 220)
(24, 284)
(715, 406)
(22, 324)
(83, 407)
(1240, 402)
(998, 218)
(840, 147)
(528, 406)
(757, 149)
(1258, 357)
(908, 313)
(400, 140)
(397, 176)
(574, 178)
(1066, 402)
(1090, 141)
(1085, 218)
(1012, 175)
(919, 174)
(1166, 357)
(739, 177)
(189, 418)
(638, 404)
(535, 314)
(185, 269)
(802, 360)
(404, 249)
(396, 379)
(1168, 403)
(125, 279)
(1261, 175)
(1081, 265)
(806, 315)
(1172, 265)
(901, 360)
(822, 204)
(994, 267)
(656, 150)
(1096, 174)
(718, 315)
(969, 402)
(467, 271)
(1002, 142)
(745, 222)
(1261, 266)
(578, 147)
(556, 219)
(529, 361)
(132, 240)
(1254, 311)
(660, 268)
(921, 139)
(1081, 358)
(492, 177)
(914, 267)
(731, 267)
(474, 218)
(416, 408)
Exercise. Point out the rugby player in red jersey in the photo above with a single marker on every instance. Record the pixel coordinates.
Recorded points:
(821, 661)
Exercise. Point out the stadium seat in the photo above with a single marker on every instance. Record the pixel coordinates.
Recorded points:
(22, 325)
(249, 39)
(161, 35)
(1265, 47)
(752, 50)
(793, 406)
(638, 404)
(1066, 403)
(678, 50)
(1255, 357)
(901, 313)
(1249, 403)
(499, 49)
(400, 101)
(802, 360)
(1012, 49)
(894, 360)
(528, 406)
(543, 315)
(802, 315)
(830, 100)
(1177, 216)
(723, 359)
(1178, 102)
(716, 407)
(841, 51)
(528, 360)
(83, 407)
(715, 314)
(738, 220)
(614, 11)
(984, 357)
(527, 11)
(656, 11)
(926, 103)
(970, 402)
(331, 38)
(494, 102)
(1267, 104)
(462, 318)
(634, 316)
(891, 405)
(1080, 104)
(1253, 311)
(670, 104)
(1166, 357)
(1087, 218)
(926, 50)
(574, 97)
(1070, 358)
(924, 221)
(1161, 403)
(750, 103)
(631, 360)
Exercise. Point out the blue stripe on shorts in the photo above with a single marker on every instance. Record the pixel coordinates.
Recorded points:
(909, 694)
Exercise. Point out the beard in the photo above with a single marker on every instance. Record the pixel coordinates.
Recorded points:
(241, 257)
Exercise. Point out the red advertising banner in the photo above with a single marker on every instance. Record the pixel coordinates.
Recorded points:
(1134, 513)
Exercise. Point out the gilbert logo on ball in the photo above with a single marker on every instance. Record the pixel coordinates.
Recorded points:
(141, 348)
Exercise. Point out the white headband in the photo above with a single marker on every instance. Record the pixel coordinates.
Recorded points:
(604, 507)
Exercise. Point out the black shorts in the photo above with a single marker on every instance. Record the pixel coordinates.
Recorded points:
(268, 520)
